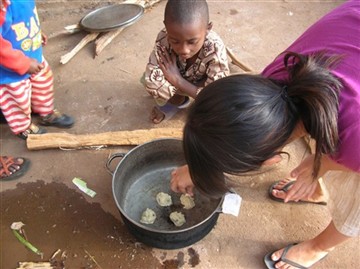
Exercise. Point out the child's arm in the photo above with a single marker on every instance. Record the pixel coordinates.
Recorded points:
(172, 74)
(155, 83)
(13, 59)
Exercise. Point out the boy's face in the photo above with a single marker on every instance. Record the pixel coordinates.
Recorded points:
(186, 40)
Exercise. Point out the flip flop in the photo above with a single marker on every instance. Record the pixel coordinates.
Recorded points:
(286, 189)
(186, 103)
(271, 264)
(170, 110)
(6, 162)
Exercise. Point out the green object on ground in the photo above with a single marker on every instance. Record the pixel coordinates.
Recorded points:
(26, 243)
(82, 185)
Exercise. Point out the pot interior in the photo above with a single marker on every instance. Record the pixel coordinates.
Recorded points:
(143, 173)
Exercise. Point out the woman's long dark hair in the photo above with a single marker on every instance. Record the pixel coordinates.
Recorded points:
(238, 122)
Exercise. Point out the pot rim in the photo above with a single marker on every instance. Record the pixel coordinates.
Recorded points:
(148, 228)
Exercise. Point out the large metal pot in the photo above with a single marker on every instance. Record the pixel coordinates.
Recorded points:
(142, 173)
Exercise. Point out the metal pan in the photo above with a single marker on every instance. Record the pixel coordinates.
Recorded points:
(111, 17)
(140, 175)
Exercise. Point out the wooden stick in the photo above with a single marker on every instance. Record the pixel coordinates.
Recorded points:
(120, 138)
(237, 62)
(87, 39)
(105, 40)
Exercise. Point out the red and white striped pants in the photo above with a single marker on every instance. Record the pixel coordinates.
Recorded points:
(19, 99)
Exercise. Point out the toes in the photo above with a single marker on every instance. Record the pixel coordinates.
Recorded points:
(279, 194)
(19, 161)
(156, 115)
(14, 168)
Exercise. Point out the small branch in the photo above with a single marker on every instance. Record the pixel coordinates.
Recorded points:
(237, 62)
(93, 259)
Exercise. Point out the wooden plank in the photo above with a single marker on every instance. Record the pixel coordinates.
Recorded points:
(120, 138)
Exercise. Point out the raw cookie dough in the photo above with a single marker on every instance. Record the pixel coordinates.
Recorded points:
(148, 216)
(187, 201)
(177, 218)
(163, 199)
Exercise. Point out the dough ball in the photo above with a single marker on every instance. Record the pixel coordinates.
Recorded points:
(177, 218)
(148, 216)
(187, 201)
(163, 199)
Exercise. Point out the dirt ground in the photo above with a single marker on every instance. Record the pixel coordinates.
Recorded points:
(105, 94)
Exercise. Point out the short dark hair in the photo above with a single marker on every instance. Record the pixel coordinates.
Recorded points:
(238, 122)
(186, 11)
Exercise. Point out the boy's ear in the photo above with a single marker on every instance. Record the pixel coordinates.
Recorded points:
(275, 159)
(210, 25)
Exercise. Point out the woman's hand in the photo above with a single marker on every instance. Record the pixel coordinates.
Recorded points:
(305, 185)
(181, 180)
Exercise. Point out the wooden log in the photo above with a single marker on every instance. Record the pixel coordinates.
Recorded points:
(237, 62)
(87, 39)
(120, 138)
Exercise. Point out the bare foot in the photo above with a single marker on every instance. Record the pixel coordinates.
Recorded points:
(279, 191)
(156, 115)
(304, 254)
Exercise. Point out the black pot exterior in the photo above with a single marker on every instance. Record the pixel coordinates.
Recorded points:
(171, 240)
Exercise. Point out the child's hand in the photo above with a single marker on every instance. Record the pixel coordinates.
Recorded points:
(167, 63)
(44, 39)
(35, 67)
(181, 180)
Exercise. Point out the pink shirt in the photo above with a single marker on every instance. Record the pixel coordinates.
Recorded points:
(338, 33)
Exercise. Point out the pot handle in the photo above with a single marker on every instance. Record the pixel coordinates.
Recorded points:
(111, 158)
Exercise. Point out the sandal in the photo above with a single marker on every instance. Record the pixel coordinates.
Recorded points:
(12, 168)
(286, 189)
(270, 264)
(33, 129)
(57, 119)
(163, 113)
(167, 111)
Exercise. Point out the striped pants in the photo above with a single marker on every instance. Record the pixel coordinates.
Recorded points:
(19, 99)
